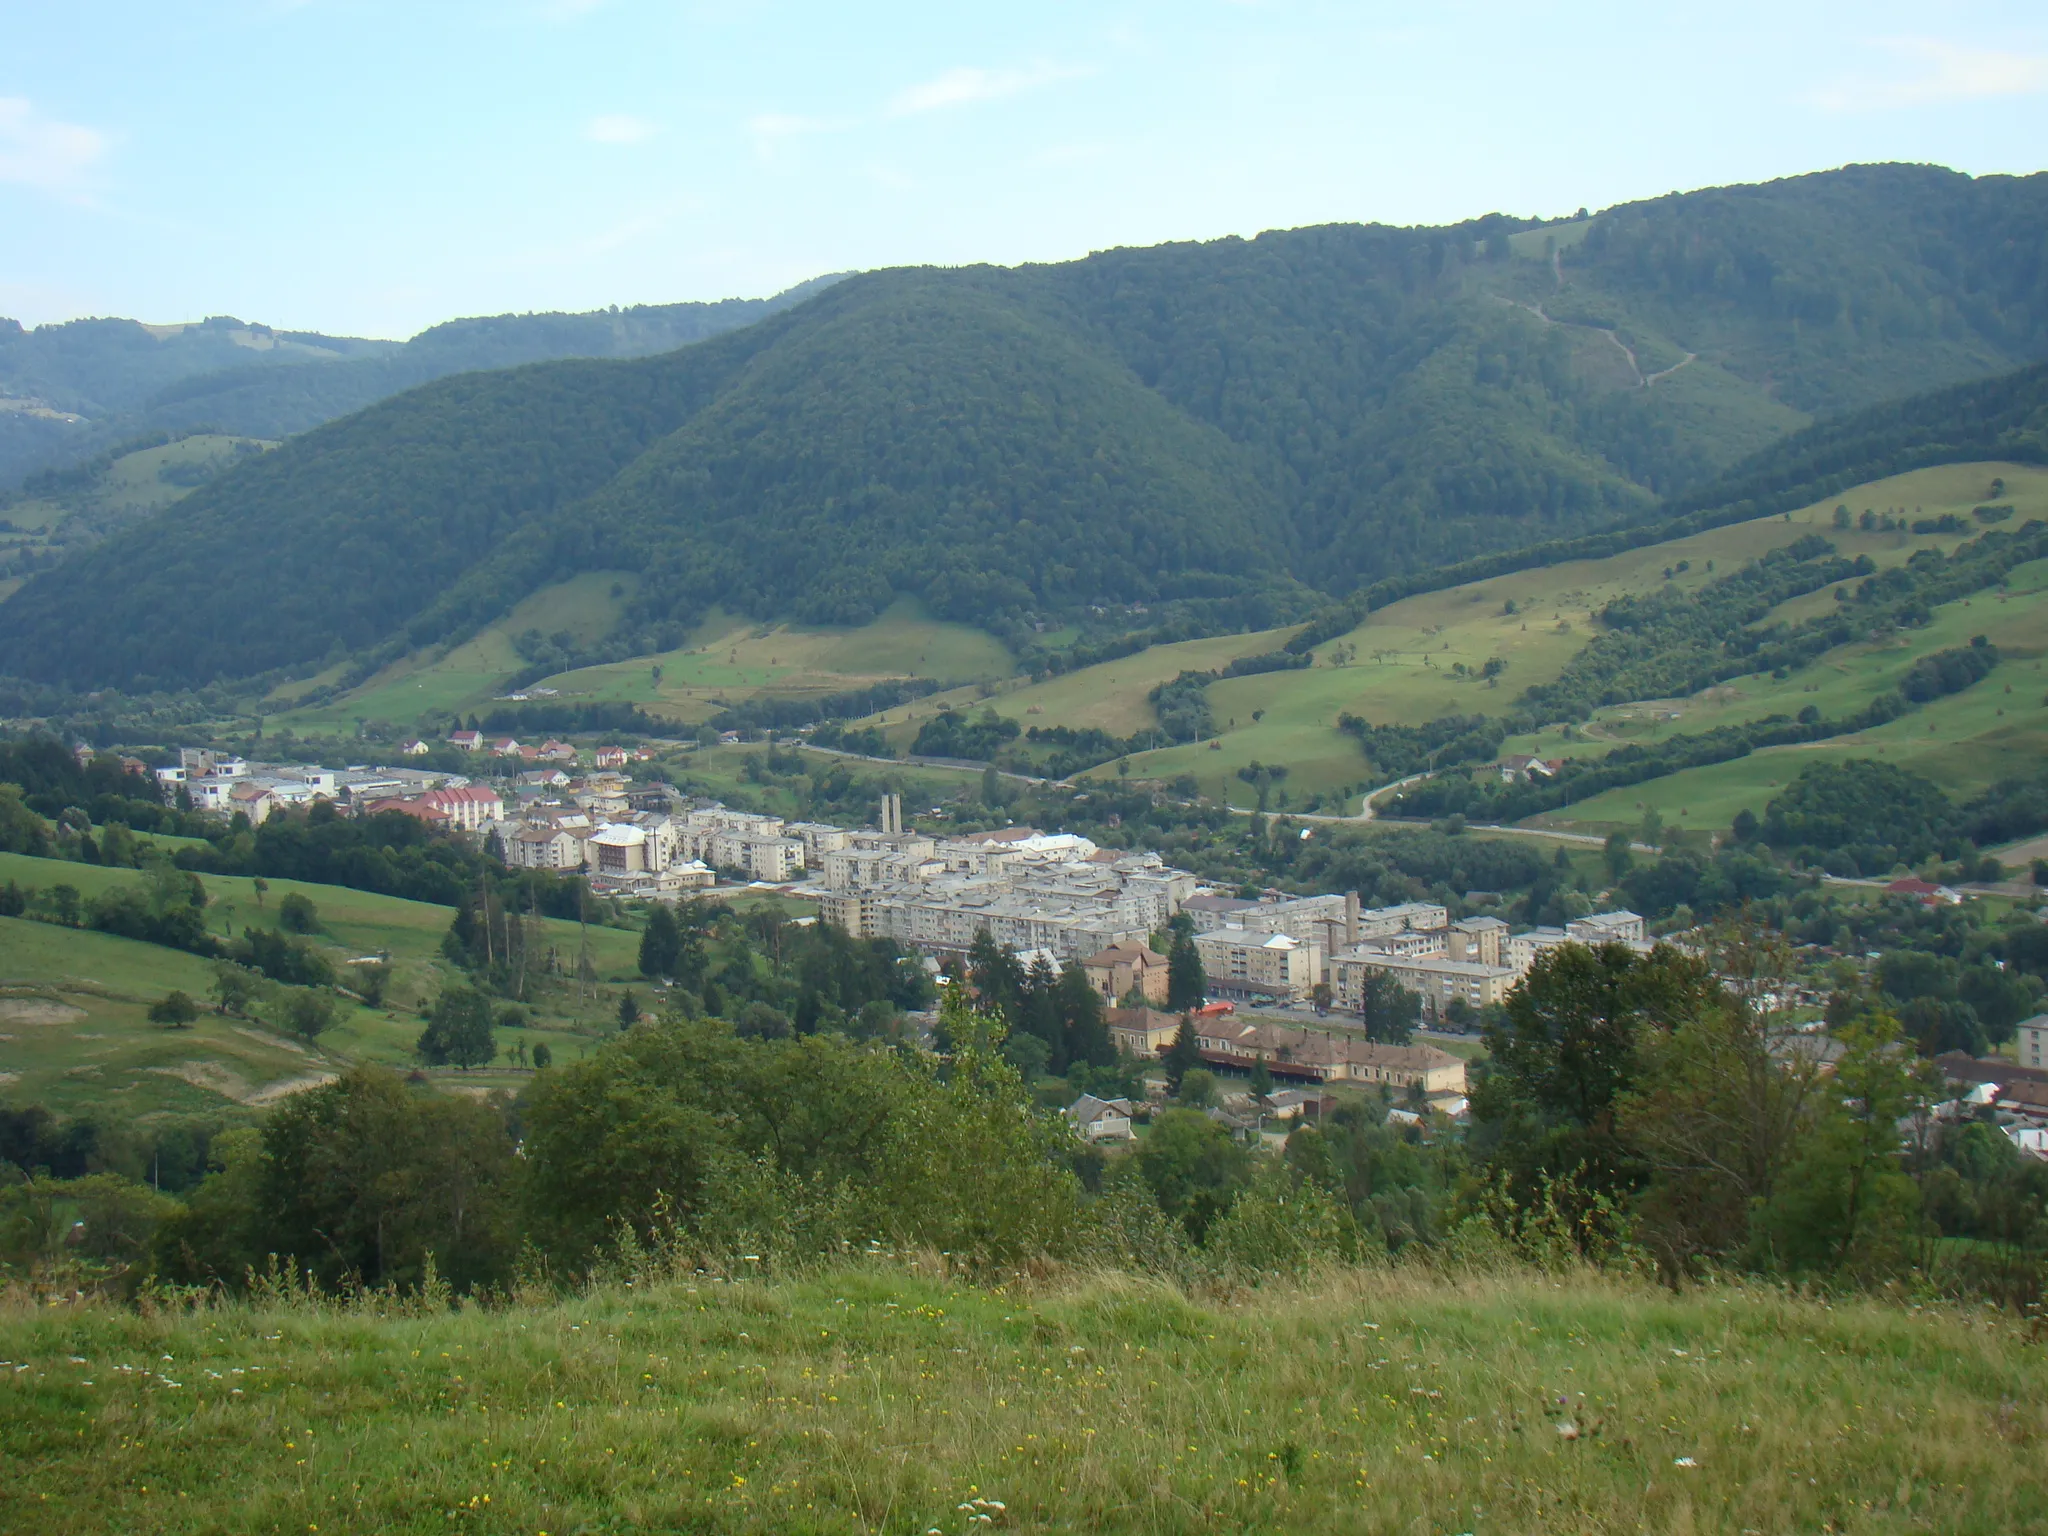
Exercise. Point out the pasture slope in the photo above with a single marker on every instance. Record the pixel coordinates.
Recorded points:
(727, 660)
(73, 1003)
(881, 1398)
(1397, 667)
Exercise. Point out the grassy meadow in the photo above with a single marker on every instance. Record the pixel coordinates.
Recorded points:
(73, 1003)
(730, 659)
(1109, 696)
(727, 659)
(880, 1400)
(467, 676)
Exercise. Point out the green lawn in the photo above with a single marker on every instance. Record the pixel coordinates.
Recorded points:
(876, 1400)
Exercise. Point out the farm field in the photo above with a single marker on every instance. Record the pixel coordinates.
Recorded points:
(101, 987)
(1397, 666)
(878, 1398)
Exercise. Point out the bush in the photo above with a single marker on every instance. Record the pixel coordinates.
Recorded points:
(174, 1009)
(297, 914)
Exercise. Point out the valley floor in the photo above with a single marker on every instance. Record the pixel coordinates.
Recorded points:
(875, 1400)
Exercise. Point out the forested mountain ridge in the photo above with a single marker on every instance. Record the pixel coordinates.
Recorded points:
(1239, 426)
(123, 379)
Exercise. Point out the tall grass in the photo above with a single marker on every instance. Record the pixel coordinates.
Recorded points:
(883, 1396)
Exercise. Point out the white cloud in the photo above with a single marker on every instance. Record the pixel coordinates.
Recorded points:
(965, 87)
(38, 151)
(1939, 73)
(774, 131)
(618, 128)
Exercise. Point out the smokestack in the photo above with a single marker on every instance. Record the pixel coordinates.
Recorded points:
(1350, 918)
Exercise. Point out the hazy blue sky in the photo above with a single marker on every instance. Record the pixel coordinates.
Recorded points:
(373, 167)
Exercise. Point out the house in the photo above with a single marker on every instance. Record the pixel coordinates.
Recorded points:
(2030, 1139)
(1298, 1104)
(1142, 1032)
(415, 748)
(2026, 1097)
(557, 751)
(1924, 892)
(1096, 1119)
(505, 746)
(1117, 970)
(466, 741)
(1520, 767)
(611, 757)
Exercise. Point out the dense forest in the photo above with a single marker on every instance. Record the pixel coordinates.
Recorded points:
(122, 379)
(1216, 435)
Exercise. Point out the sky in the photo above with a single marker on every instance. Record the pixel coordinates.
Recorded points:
(369, 168)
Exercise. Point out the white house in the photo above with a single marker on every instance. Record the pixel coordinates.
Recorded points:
(1096, 1119)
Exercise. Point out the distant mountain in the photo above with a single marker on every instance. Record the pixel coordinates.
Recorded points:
(68, 392)
(1228, 431)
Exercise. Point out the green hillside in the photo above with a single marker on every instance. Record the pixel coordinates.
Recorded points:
(1397, 668)
(1209, 435)
(89, 383)
(73, 509)
(73, 1002)
(880, 1399)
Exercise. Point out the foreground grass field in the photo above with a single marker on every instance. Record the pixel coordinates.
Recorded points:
(875, 1401)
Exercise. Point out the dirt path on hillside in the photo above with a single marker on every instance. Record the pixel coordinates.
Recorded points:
(1643, 380)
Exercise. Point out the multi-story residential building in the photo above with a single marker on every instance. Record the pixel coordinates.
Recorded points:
(1265, 967)
(544, 847)
(1522, 950)
(819, 838)
(472, 808)
(2031, 1037)
(1116, 971)
(1439, 979)
(1607, 928)
(1479, 939)
(619, 851)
